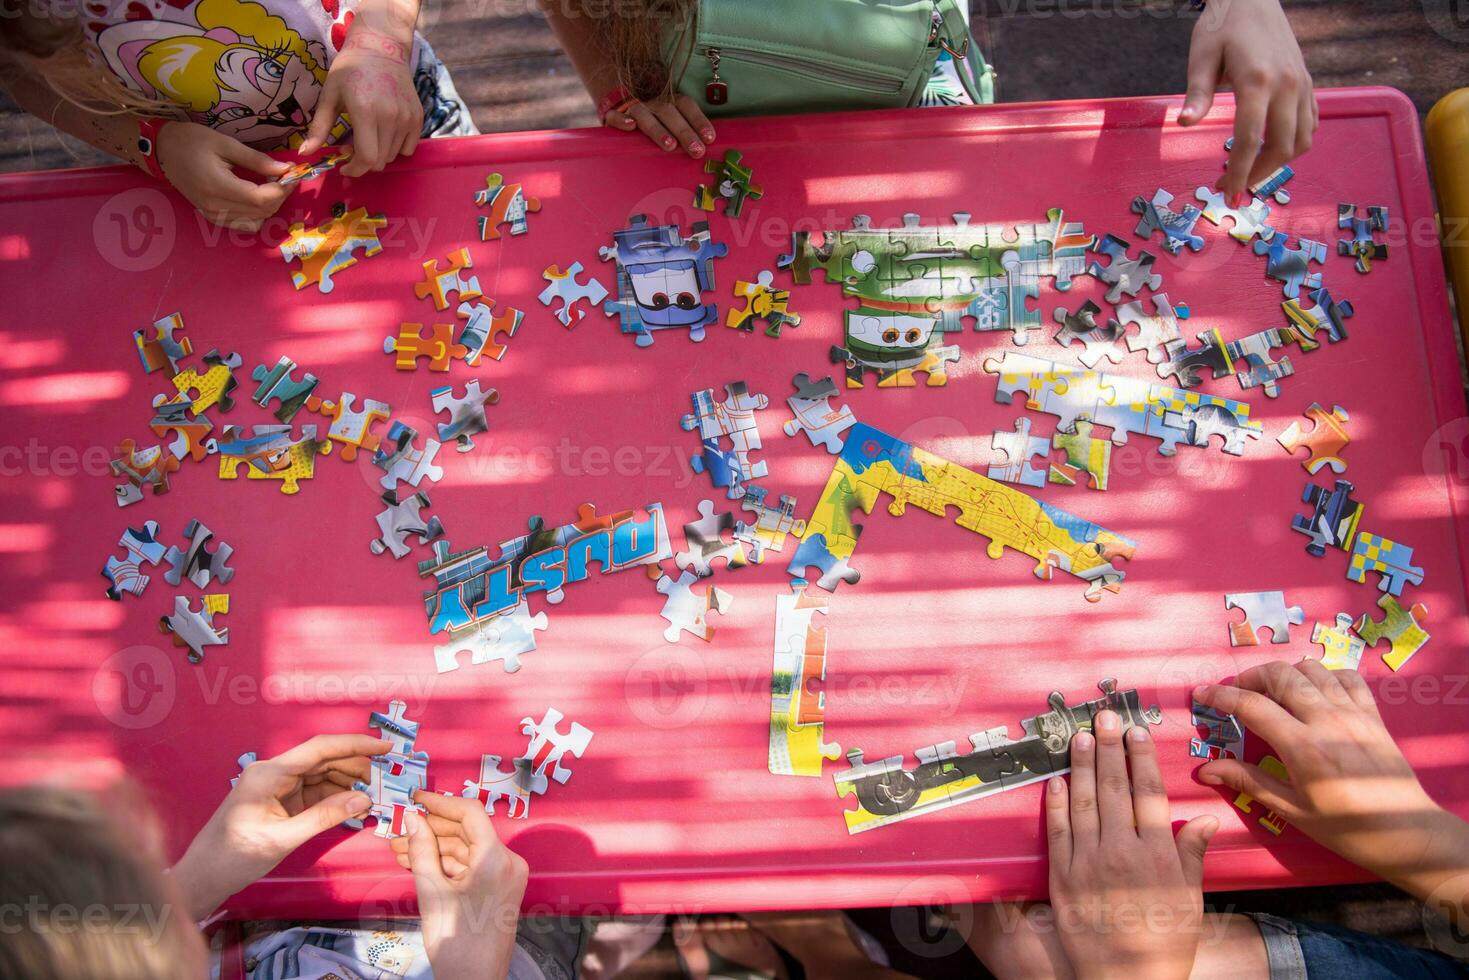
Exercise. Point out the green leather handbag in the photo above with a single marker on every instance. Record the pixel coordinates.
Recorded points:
(763, 57)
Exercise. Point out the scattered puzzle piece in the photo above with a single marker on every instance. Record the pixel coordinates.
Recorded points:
(327, 250)
(401, 460)
(1249, 221)
(141, 468)
(438, 283)
(1340, 650)
(277, 384)
(704, 542)
(762, 303)
(410, 345)
(192, 433)
(1176, 227)
(205, 390)
(508, 204)
(686, 610)
(195, 628)
(402, 518)
(126, 574)
(1155, 329)
(1393, 561)
(496, 784)
(1122, 274)
(1019, 448)
(1403, 628)
(1263, 610)
(797, 711)
(466, 413)
(272, 454)
(563, 285)
(732, 185)
(1084, 454)
(811, 406)
(1333, 520)
(1325, 441)
(1327, 315)
(772, 524)
(163, 349)
(351, 427)
(486, 332)
(200, 564)
(548, 747)
(1291, 266)
(1098, 340)
(1361, 244)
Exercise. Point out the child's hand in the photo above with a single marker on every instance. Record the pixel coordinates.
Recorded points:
(200, 162)
(469, 886)
(1350, 788)
(371, 83)
(1127, 896)
(670, 124)
(1249, 45)
(278, 805)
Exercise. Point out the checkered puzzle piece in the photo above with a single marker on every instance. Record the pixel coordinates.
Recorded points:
(504, 638)
(276, 384)
(466, 413)
(194, 628)
(509, 205)
(1177, 227)
(487, 332)
(495, 784)
(1263, 610)
(574, 294)
(402, 518)
(687, 610)
(1333, 520)
(1123, 274)
(1323, 443)
(200, 563)
(125, 574)
(327, 250)
(141, 468)
(1340, 649)
(438, 283)
(1291, 266)
(1098, 340)
(812, 413)
(548, 746)
(1392, 561)
(762, 302)
(410, 345)
(1019, 448)
(166, 347)
(1361, 245)
(1403, 628)
(400, 459)
(351, 427)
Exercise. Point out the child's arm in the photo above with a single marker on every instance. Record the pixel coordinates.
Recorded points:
(670, 123)
(1127, 895)
(1249, 44)
(193, 158)
(469, 886)
(1350, 788)
(371, 82)
(278, 805)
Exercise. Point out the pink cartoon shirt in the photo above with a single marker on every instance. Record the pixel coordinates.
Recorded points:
(250, 70)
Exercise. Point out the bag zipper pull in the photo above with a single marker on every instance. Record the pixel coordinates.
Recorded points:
(716, 92)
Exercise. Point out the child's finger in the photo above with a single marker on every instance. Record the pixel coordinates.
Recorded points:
(301, 759)
(696, 117)
(1149, 798)
(1251, 105)
(1203, 76)
(621, 120)
(1114, 791)
(651, 127)
(415, 133)
(1257, 712)
(1058, 825)
(1357, 690)
(365, 147)
(1192, 841)
(1280, 135)
(1085, 827)
(1246, 777)
(240, 155)
(324, 815)
(423, 851)
(321, 120)
(675, 123)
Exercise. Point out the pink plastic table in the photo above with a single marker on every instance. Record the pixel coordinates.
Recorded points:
(672, 806)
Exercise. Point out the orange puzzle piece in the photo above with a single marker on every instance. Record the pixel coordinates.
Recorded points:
(1327, 438)
(410, 344)
(437, 285)
(328, 249)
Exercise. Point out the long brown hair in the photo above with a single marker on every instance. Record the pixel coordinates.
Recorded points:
(649, 42)
(54, 50)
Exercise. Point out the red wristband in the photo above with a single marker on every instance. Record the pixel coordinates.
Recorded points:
(615, 100)
(148, 130)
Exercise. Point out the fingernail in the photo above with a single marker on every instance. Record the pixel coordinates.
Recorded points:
(359, 803)
(1201, 692)
(1082, 740)
(708, 135)
(1106, 721)
(668, 143)
(1209, 779)
(696, 148)
(1138, 733)
(1211, 829)
(410, 821)
(1237, 199)
(1053, 785)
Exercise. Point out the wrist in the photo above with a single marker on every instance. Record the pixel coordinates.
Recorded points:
(150, 133)
(393, 19)
(202, 890)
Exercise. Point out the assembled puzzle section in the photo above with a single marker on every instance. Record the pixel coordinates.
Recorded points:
(887, 791)
(395, 775)
(662, 276)
(732, 185)
(734, 420)
(797, 707)
(270, 452)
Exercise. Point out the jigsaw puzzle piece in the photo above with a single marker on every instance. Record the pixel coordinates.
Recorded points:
(327, 250)
(1248, 221)
(1253, 365)
(126, 574)
(1361, 245)
(195, 628)
(1271, 821)
(148, 467)
(1084, 454)
(1323, 443)
(1291, 266)
(466, 413)
(549, 746)
(1393, 561)
(192, 439)
(271, 454)
(200, 564)
(1403, 628)
(166, 347)
(1098, 340)
(1186, 364)
(204, 390)
(813, 414)
(1263, 610)
(797, 712)
(1019, 448)
(1340, 649)
(772, 524)
(310, 170)
(509, 205)
(705, 542)
(1326, 316)
(1333, 520)
(401, 460)
(1176, 227)
(438, 283)
(276, 384)
(487, 333)
(439, 346)
(1155, 329)
(496, 784)
(687, 610)
(1200, 416)
(504, 638)
(402, 518)
(1223, 736)
(1121, 273)
(732, 185)
(350, 427)
(762, 302)
(564, 285)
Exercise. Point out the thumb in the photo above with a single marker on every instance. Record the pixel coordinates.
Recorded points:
(1192, 841)
(423, 853)
(240, 155)
(321, 121)
(324, 815)
(1203, 77)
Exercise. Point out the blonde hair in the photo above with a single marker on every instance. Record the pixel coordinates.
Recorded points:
(55, 52)
(649, 43)
(81, 896)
